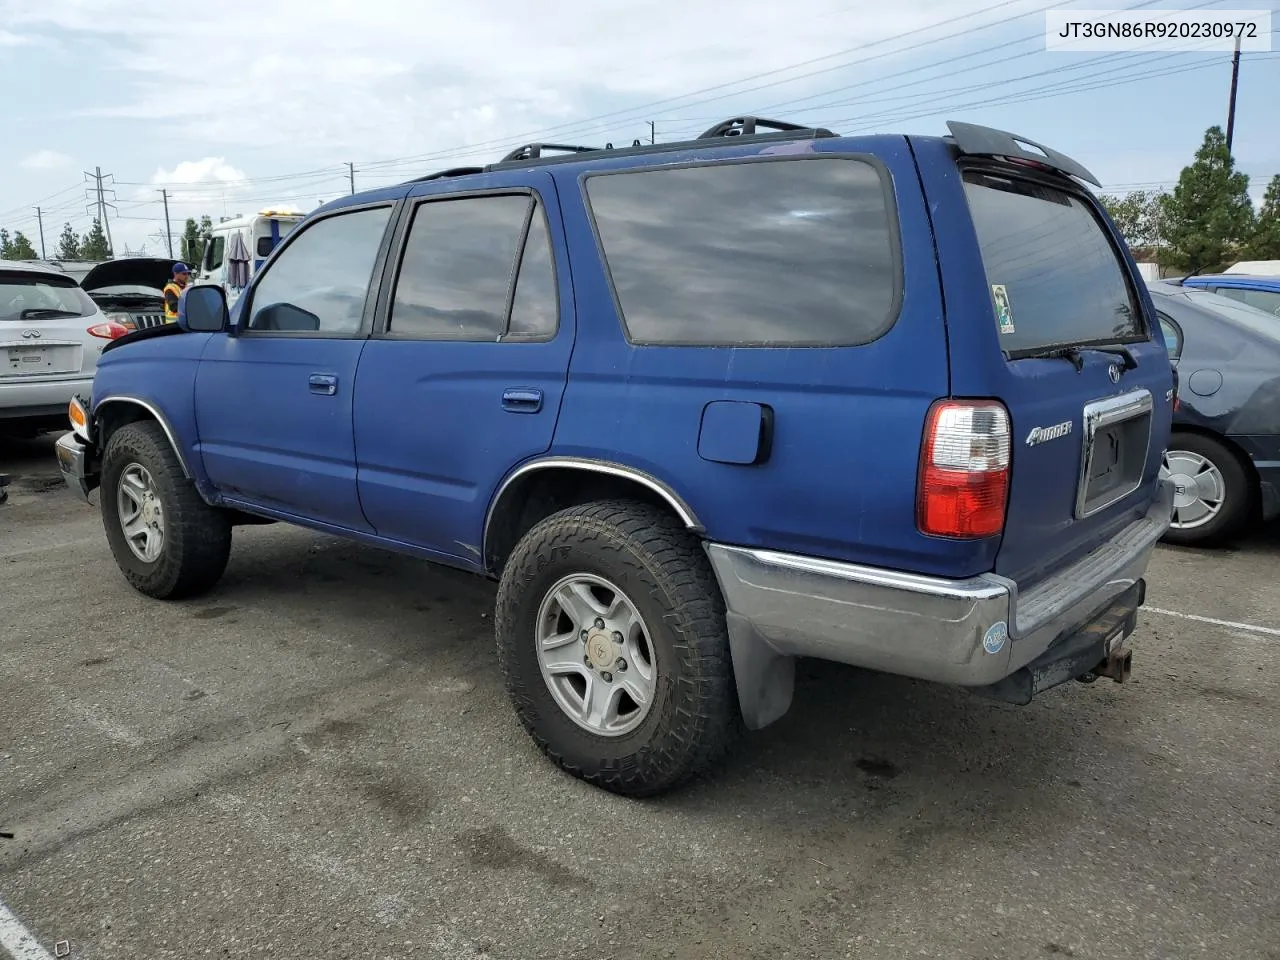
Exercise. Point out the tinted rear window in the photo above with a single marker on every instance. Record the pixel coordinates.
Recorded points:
(38, 297)
(1054, 277)
(787, 252)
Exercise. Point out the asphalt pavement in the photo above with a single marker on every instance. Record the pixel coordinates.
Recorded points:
(318, 760)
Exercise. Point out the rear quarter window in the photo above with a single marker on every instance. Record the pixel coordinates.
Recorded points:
(800, 252)
(1054, 276)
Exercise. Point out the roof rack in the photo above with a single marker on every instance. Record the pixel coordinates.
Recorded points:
(747, 126)
(533, 151)
(758, 129)
(451, 172)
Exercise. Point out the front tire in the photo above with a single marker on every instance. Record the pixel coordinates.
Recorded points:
(612, 642)
(167, 542)
(1214, 493)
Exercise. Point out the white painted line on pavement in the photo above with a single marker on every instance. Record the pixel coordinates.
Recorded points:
(18, 940)
(1248, 627)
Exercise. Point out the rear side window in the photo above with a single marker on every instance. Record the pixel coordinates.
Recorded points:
(766, 253)
(34, 296)
(1054, 277)
(1172, 335)
(1262, 299)
(464, 277)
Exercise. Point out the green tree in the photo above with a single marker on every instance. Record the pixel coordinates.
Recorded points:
(94, 246)
(6, 246)
(1137, 216)
(21, 248)
(1265, 242)
(194, 238)
(68, 244)
(1209, 215)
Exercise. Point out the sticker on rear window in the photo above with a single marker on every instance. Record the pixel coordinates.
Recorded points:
(1004, 312)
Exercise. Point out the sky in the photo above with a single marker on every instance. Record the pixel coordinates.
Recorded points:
(241, 104)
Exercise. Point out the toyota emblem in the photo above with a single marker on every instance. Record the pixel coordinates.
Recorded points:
(31, 334)
(1115, 372)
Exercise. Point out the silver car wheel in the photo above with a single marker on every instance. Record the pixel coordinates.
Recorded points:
(1199, 490)
(141, 512)
(595, 655)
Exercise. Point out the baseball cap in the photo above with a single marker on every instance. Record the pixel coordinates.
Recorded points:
(180, 268)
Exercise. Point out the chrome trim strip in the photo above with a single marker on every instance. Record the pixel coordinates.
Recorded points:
(1106, 413)
(160, 418)
(677, 503)
(969, 590)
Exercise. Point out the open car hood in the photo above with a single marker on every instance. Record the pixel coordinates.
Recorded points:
(133, 271)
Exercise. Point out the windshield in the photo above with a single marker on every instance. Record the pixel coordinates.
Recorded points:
(37, 296)
(1055, 277)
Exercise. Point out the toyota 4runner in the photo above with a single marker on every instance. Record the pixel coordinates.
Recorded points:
(700, 408)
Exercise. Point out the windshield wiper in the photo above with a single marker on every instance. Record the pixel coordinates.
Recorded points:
(31, 312)
(1076, 357)
(1062, 353)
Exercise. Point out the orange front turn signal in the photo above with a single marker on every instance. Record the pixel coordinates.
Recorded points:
(76, 414)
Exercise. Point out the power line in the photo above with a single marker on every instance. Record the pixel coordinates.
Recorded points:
(594, 121)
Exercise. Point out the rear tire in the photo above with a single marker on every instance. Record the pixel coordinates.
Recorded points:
(168, 543)
(1215, 493)
(637, 571)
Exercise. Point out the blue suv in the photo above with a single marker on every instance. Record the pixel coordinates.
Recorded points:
(700, 408)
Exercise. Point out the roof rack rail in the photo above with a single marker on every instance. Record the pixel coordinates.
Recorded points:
(533, 151)
(747, 126)
(451, 172)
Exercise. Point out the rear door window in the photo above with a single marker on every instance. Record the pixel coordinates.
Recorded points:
(764, 253)
(1054, 276)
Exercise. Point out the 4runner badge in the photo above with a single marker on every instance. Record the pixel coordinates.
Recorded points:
(1040, 435)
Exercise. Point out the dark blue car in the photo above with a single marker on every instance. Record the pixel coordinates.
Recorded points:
(701, 408)
(1260, 292)
(1224, 455)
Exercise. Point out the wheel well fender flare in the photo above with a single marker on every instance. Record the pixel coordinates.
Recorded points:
(151, 412)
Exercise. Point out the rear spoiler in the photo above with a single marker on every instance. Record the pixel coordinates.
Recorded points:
(977, 141)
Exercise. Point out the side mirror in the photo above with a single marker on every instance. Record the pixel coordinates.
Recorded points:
(203, 309)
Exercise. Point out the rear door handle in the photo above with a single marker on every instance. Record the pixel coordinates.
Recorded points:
(522, 400)
(325, 384)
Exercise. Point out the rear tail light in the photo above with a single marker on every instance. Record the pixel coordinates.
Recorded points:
(964, 470)
(109, 330)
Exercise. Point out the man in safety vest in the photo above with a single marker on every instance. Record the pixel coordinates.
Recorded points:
(173, 291)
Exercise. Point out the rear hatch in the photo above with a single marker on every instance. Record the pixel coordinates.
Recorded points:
(1047, 314)
(44, 322)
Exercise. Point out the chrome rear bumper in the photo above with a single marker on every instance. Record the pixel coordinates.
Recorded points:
(972, 632)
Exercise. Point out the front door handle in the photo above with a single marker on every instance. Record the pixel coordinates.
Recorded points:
(522, 400)
(325, 384)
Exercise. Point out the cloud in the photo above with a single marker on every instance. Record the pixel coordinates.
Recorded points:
(421, 77)
(46, 160)
(8, 39)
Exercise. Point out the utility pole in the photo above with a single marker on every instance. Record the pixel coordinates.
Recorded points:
(100, 203)
(40, 220)
(351, 172)
(168, 229)
(652, 133)
(1231, 107)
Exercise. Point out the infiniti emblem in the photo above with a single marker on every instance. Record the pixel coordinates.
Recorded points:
(31, 334)
(1115, 371)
